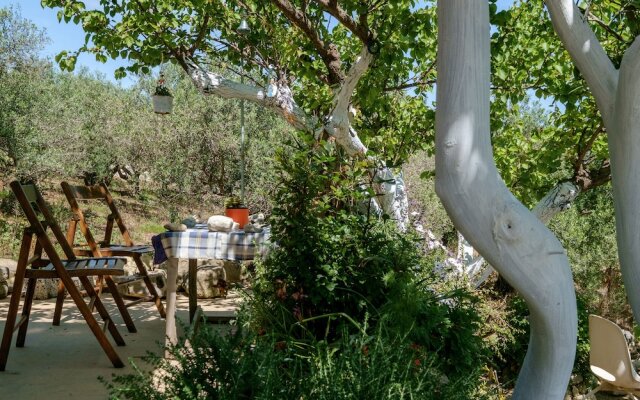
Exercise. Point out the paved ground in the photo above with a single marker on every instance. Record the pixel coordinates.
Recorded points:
(64, 362)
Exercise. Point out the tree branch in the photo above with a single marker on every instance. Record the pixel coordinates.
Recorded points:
(204, 28)
(409, 85)
(587, 53)
(583, 150)
(357, 70)
(338, 124)
(282, 103)
(360, 30)
(606, 27)
(328, 52)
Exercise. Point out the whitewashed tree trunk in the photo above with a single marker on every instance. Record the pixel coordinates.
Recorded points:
(473, 266)
(558, 199)
(617, 94)
(393, 200)
(508, 235)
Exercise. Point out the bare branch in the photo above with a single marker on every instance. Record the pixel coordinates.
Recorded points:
(409, 85)
(204, 28)
(358, 69)
(282, 103)
(606, 27)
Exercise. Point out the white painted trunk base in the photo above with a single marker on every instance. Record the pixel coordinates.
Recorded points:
(508, 235)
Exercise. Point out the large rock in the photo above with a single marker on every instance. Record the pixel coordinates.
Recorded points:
(4, 286)
(236, 271)
(139, 288)
(46, 289)
(8, 270)
(183, 270)
(211, 282)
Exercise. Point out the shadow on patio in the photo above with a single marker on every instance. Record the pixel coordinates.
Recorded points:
(64, 362)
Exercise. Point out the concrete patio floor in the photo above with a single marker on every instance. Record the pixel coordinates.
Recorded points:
(64, 362)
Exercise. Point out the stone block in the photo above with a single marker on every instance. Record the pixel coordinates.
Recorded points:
(4, 286)
(183, 270)
(139, 288)
(8, 269)
(236, 271)
(46, 289)
(211, 282)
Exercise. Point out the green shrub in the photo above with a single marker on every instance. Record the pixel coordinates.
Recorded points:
(373, 364)
(332, 255)
(445, 325)
(506, 332)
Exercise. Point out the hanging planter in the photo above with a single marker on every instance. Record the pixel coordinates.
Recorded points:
(162, 98)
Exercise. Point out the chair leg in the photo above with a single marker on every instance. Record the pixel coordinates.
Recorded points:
(98, 287)
(26, 312)
(57, 313)
(14, 303)
(10, 323)
(102, 311)
(150, 287)
(113, 288)
(93, 324)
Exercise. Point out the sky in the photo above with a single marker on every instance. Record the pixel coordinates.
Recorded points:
(65, 37)
(70, 36)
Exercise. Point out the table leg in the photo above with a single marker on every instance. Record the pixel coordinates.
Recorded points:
(193, 295)
(172, 276)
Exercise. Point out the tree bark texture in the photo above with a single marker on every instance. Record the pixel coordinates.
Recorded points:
(617, 95)
(505, 233)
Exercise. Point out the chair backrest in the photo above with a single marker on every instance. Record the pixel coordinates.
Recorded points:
(609, 356)
(34, 206)
(99, 193)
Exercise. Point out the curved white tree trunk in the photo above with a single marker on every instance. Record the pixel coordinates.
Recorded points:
(473, 266)
(617, 94)
(508, 235)
(624, 150)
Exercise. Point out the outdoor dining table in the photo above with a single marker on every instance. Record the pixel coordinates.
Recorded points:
(200, 243)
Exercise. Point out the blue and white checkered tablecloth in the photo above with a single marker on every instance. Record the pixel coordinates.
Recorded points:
(199, 243)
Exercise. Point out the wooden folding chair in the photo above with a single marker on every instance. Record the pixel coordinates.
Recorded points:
(100, 193)
(35, 267)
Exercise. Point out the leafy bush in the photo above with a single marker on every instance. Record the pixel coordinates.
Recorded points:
(506, 332)
(373, 364)
(443, 324)
(331, 256)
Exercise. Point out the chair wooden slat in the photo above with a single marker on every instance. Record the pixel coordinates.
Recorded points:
(30, 193)
(100, 193)
(87, 192)
(34, 206)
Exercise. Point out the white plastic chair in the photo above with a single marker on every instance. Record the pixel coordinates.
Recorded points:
(610, 359)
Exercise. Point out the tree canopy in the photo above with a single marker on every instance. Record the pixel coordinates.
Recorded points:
(306, 45)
